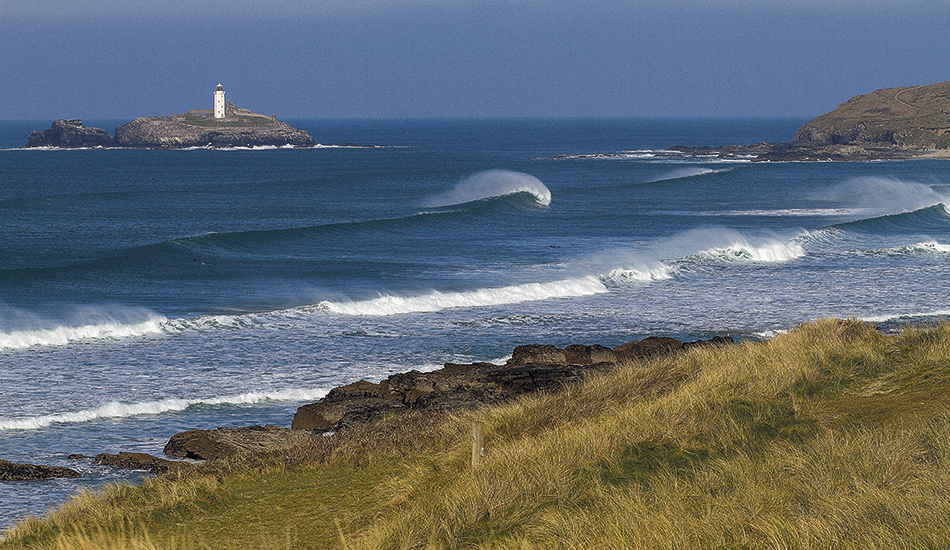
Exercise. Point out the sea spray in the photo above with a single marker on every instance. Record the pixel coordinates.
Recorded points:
(742, 251)
(884, 195)
(493, 183)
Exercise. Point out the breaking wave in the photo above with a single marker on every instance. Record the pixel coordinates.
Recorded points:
(491, 184)
(438, 301)
(742, 251)
(928, 248)
(63, 335)
(116, 409)
(662, 272)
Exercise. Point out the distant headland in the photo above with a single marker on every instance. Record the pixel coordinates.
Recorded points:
(224, 126)
(889, 124)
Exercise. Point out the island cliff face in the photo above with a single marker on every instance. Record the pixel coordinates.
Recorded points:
(239, 128)
(70, 134)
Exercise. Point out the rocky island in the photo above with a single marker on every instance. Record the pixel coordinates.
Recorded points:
(227, 125)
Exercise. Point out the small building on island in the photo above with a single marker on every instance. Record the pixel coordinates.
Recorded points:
(219, 101)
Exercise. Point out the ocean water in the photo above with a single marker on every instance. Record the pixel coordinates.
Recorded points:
(143, 293)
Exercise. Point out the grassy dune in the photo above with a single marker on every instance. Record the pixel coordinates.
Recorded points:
(831, 436)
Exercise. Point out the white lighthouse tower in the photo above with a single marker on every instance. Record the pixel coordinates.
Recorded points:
(219, 101)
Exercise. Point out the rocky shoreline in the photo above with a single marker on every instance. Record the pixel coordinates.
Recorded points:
(454, 387)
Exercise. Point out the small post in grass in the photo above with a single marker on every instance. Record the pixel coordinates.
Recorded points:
(478, 442)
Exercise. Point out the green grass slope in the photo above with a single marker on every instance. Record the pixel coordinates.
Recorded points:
(830, 436)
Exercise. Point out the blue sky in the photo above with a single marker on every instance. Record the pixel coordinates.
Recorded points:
(452, 58)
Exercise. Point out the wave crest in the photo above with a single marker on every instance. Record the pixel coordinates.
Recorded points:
(662, 272)
(491, 184)
(116, 409)
(742, 251)
(438, 301)
(62, 335)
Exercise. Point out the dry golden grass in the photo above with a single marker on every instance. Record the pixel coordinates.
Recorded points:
(831, 436)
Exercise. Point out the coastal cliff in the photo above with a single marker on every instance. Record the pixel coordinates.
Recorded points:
(915, 117)
(888, 124)
(239, 128)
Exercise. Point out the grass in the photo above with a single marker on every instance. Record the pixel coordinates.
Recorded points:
(917, 116)
(830, 436)
(230, 122)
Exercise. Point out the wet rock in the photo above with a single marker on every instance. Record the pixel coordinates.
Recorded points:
(137, 461)
(13, 471)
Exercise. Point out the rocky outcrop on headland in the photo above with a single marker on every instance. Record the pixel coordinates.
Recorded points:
(222, 442)
(454, 387)
(14, 471)
(70, 134)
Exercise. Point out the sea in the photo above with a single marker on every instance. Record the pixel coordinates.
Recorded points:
(148, 292)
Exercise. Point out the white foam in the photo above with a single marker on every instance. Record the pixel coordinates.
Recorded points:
(115, 409)
(490, 184)
(894, 317)
(786, 212)
(438, 301)
(927, 248)
(742, 251)
(62, 335)
(662, 272)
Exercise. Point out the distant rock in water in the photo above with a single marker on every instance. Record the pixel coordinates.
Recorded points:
(239, 128)
(70, 134)
(13, 471)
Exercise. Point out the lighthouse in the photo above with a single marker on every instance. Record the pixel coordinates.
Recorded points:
(219, 101)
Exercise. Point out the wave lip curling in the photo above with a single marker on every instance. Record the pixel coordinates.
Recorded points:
(491, 184)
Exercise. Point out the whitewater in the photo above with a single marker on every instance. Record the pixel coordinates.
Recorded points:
(144, 293)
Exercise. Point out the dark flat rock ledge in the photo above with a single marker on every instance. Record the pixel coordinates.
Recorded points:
(13, 471)
(782, 152)
(803, 152)
(138, 461)
(224, 442)
(455, 387)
